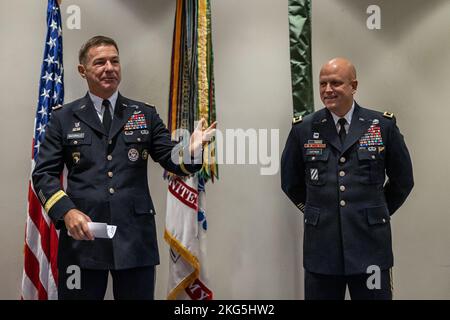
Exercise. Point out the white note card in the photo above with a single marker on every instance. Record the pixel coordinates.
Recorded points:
(101, 230)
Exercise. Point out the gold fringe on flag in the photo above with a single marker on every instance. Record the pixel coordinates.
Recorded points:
(192, 76)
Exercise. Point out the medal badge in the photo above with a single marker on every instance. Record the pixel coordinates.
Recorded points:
(133, 154)
(372, 137)
(136, 122)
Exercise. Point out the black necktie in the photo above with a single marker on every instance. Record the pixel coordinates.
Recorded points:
(342, 133)
(106, 115)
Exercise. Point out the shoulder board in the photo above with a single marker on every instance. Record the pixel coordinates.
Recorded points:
(59, 106)
(296, 120)
(388, 115)
(149, 105)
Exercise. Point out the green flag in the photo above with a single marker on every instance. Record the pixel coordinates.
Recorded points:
(301, 57)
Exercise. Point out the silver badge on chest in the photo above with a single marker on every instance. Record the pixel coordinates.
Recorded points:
(133, 154)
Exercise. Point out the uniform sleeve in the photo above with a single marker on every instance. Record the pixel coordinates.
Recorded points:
(398, 169)
(47, 173)
(163, 147)
(293, 172)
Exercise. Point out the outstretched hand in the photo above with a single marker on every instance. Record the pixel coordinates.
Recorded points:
(201, 136)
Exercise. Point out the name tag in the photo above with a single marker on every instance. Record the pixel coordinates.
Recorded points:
(72, 136)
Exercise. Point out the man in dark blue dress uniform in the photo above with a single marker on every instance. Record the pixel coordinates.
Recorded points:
(104, 140)
(334, 169)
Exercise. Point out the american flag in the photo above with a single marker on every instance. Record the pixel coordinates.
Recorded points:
(40, 272)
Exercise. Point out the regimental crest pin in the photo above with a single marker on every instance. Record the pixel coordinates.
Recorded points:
(133, 154)
(76, 157)
(145, 154)
(314, 174)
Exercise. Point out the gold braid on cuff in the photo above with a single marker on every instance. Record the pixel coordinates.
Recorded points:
(53, 200)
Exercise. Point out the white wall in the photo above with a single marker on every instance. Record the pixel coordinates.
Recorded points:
(254, 242)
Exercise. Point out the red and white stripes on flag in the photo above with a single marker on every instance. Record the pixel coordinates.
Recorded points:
(39, 281)
(186, 234)
(40, 273)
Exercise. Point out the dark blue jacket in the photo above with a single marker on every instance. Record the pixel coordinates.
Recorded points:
(106, 179)
(343, 191)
